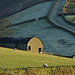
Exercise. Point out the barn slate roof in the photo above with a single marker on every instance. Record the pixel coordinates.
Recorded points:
(13, 40)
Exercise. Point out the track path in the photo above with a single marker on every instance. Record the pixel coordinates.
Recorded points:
(57, 20)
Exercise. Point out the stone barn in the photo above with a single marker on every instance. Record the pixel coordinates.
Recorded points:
(33, 44)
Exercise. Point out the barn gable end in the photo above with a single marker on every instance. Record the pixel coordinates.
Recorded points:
(35, 45)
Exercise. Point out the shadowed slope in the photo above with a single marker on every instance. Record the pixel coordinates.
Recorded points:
(12, 6)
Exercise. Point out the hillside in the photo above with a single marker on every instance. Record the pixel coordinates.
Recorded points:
(51, 36)
(21, 59)
(30, 23)
(55, 40)
(32, 13)
(10, 7)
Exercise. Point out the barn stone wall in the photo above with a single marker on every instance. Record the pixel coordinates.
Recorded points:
(35, 44)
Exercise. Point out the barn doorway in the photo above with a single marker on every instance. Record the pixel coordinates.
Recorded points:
(29, 47)
(39, 50)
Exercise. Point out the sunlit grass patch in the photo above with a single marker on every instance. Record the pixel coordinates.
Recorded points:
(70, 18)
(21, 59)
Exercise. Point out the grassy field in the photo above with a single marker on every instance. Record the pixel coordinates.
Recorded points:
(21, 59)
(70, 18)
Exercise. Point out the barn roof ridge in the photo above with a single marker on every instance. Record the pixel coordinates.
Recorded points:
(16, 40)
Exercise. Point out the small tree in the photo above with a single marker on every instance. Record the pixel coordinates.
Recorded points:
(4, 30)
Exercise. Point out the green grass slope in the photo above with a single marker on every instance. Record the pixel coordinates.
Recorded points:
(70, 18)
(21, 59)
